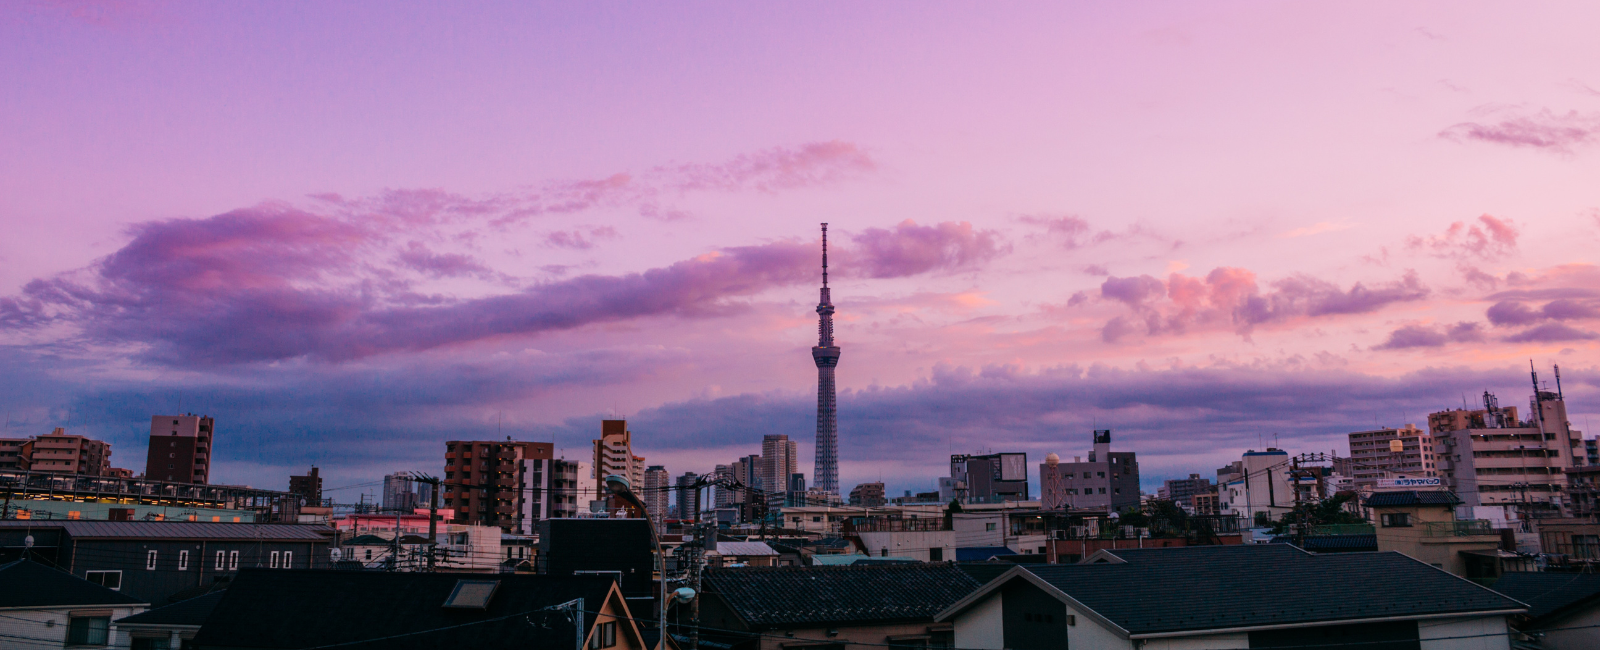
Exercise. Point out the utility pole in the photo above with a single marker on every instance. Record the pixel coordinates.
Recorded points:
(433, 514)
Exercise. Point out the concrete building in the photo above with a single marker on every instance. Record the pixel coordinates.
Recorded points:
(779, 459)
(60, 453)
(180, 448)
(1423, 526)
(613, 456)
(486, 483)
(654, 494)
(1182, 491)
(309, 487)
(688, 506)
(868, 495)
(1489, 457)
(1391, 453)
(550, 490)
(11, 456)
(400, 494)
(990, 478)
(1256, 486)
(1107, 481)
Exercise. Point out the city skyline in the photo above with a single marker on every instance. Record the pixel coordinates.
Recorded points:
(1198, 227)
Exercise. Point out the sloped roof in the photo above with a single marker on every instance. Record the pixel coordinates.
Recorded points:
(191, 612)
(25, 583)
(1334, 543)
(1201, 588)
(267, 608)
(817, 595)
(1412, 498)
(1550, 596)
(177, 529)
(981, 553)
(744, 548)
(983, 572)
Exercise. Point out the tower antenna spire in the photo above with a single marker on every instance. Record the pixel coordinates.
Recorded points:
(824, 255)
(826, 356)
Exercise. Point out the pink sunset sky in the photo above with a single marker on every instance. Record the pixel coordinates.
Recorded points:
(351, 231)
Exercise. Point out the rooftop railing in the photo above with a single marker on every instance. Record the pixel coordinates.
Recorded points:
(1464, 528)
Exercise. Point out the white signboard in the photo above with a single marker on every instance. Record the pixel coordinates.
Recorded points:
(1430, 482)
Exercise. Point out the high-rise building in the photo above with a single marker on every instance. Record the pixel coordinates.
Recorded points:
(991, 478)
(654, 495)
(61, 453)
(826, 356)
(1109, 480)
(180, 448)
(724, 497)
(400, 494)
(779, 459)
(1490, 457)
(868, 495)
(688, 497)
(486, 482)
(1183, 490)
(613, 456)
(747, 472)
(1390, 453)
(309, 487)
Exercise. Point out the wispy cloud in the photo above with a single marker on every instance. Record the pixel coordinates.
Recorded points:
(1544, 130)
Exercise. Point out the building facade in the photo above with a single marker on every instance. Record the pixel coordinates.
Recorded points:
(180, 448)
(868, 495)
(1489, 457)
(485, 482)
(309, 487)
(779, 458)
(655, 494)
(61, 453)
(1109, 480)
(1391, 453)
(613, 456)
(1183, 490)
(688, 496)
(990, 478)
(1256, 487)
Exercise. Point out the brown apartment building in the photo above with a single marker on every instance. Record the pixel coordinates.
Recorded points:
(180, 448)
(65, 454)
(484, 479)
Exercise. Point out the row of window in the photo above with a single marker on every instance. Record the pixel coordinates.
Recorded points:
(226, 561)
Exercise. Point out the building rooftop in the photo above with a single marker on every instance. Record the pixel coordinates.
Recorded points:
(1148, 591)
(981, 553)
(819, 595)
(1550, 596)
(744, 548)
(25, 583)
(192, 612)
(176, 529)
(1412, 498)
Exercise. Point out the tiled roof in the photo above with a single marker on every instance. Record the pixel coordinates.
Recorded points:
(818, 595)
(25, 583)
(981, 553)
(1211, 587)
(744, 548)
(983, 572)
(1550, 595)
(266, 608)
(193, 611)
(1412, 498)
(176, 529)
(1334, 543)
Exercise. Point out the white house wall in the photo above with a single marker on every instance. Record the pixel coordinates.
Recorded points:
(1472, 633)
(982, 627)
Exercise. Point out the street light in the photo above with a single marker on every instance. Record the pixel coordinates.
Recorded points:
(619, 488)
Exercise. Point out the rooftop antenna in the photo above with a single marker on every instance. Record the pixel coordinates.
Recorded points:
(1558, 384)
(824, 255)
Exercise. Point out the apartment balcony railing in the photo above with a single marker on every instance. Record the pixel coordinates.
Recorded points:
(1344, 529)
(1464, 528)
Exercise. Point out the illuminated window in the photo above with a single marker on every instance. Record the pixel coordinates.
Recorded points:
(183, 560)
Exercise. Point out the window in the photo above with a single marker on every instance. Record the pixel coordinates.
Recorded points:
(150, 560)
(605, 635)
(935, 554)
(183, 560)
(369, 553)
(109, 579)
(288, 559)
(988, 527)
(233, 560)
(1396, 520)
(89, 630)
(274, 563)
(152, 643)
(1102, 490)
(222, 560)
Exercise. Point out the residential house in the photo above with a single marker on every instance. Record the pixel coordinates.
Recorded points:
(1244, 596)
(46, 607)
(1422, 524)
(724, 553)
(1563, 608)
(405, 611)
(170, 627)
(831, 607)
(153, 560)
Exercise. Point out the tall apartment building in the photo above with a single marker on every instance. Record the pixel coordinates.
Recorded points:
(1183, 490)
(309, 486)
(688, 497)
(400, 493)
(723, 497)
(654, 494)
(180, 448)
(549, 489)
(779, 459)
(487, 483)
(1388, 453)
(1256, 486)
(868, 495)
(1109, 480)
(11, 456)
(613, 456)
(1489, 457)
(992, 478)
(61, 453)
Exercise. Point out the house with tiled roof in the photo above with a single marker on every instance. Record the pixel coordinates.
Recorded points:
(829, 607)
(45, 607)
(1563, 608)
(172, 625)
(1240, 596)
(1422, 524)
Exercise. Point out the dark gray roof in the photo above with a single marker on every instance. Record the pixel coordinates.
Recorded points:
(176, 529)
(1413, 498)
(1551, 596)
(1211, 587)
(25, 583)
(568, 545)
(981, 553)
(816, 595)
(193, 612)
(983, 572)
(266, 608)
(1334, 543)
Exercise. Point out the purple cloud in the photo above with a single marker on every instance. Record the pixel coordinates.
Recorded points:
(1545, 130)
(1551, 333)
(580, 239)
(1489, 238)
(418, 258)
(778, 168)
(909, 249)
(1423, 336)
(1134, 292)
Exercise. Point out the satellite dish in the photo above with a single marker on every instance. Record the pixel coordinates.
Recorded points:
(27, 542)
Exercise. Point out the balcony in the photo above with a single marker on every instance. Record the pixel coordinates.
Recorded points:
(1464, 528)
(1344, 529)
